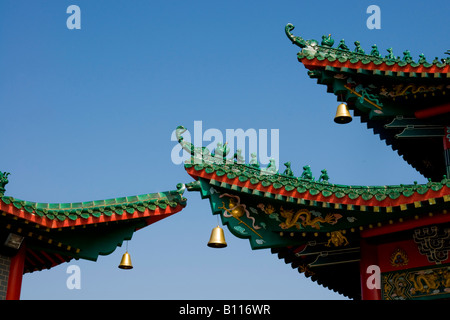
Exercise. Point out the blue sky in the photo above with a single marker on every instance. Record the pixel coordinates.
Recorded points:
(88, 114)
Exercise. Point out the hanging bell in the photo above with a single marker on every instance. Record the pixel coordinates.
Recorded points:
(342, 114)
(217, 239)
(125, 263)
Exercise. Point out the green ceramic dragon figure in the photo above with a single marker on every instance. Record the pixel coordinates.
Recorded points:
(188, 146)
(219, 153)
(3, 181)
(299, 41)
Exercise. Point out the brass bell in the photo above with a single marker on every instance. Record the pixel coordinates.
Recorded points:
(125, 263)
(342, 114)
(217, 239)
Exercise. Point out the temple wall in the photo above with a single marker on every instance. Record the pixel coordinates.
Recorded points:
(4, 272)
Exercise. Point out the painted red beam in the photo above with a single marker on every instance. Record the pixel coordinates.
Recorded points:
(431, 112)
(406, 225)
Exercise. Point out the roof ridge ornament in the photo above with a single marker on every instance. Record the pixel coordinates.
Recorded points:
(3, 182)
(325, 50)
(188, 146)
(343, 46)
(327, 41)
(299, 41)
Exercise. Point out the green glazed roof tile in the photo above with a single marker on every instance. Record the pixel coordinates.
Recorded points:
(84, 210)
(311, 49)
(228, 174)
(246, 172)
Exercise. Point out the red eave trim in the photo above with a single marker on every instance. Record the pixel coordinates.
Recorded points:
(388, 202)
(311, 64)
(153, 215)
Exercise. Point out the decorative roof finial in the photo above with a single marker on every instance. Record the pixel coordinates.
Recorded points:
(288, 171)
(3, 181)
(238, 157)
(375, 51)
(407, 56)
(299, 41)
(358, 48)
(254, 161)
(446, 60)
(343, 46)
(327, 41)
(271, 167)
(198, 152)
(422, 58)
(390, 55)
(221, 151)
(307, 174)
(324, 176)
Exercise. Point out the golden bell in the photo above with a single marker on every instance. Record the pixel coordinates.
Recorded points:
(125, 263)
(342, 114)
(217, 239)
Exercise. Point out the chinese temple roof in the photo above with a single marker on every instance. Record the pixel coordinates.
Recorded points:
(59, 232)
(405, 101)
(60, 215)
(322, 194)
(312, 224)
(341, 56)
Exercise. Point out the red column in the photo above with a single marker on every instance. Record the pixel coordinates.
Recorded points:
(368, 270)
(15, 274)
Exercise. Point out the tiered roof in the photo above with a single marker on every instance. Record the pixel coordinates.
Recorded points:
(405, 101)
(315, 225)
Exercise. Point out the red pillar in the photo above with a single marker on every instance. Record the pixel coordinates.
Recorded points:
(369, 269)
(16, 274)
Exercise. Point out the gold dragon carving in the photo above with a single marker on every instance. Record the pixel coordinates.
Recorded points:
(423, 282)
(407, 285)
(303, 218)
(337, 239)
(292, 217)
(402, 90)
